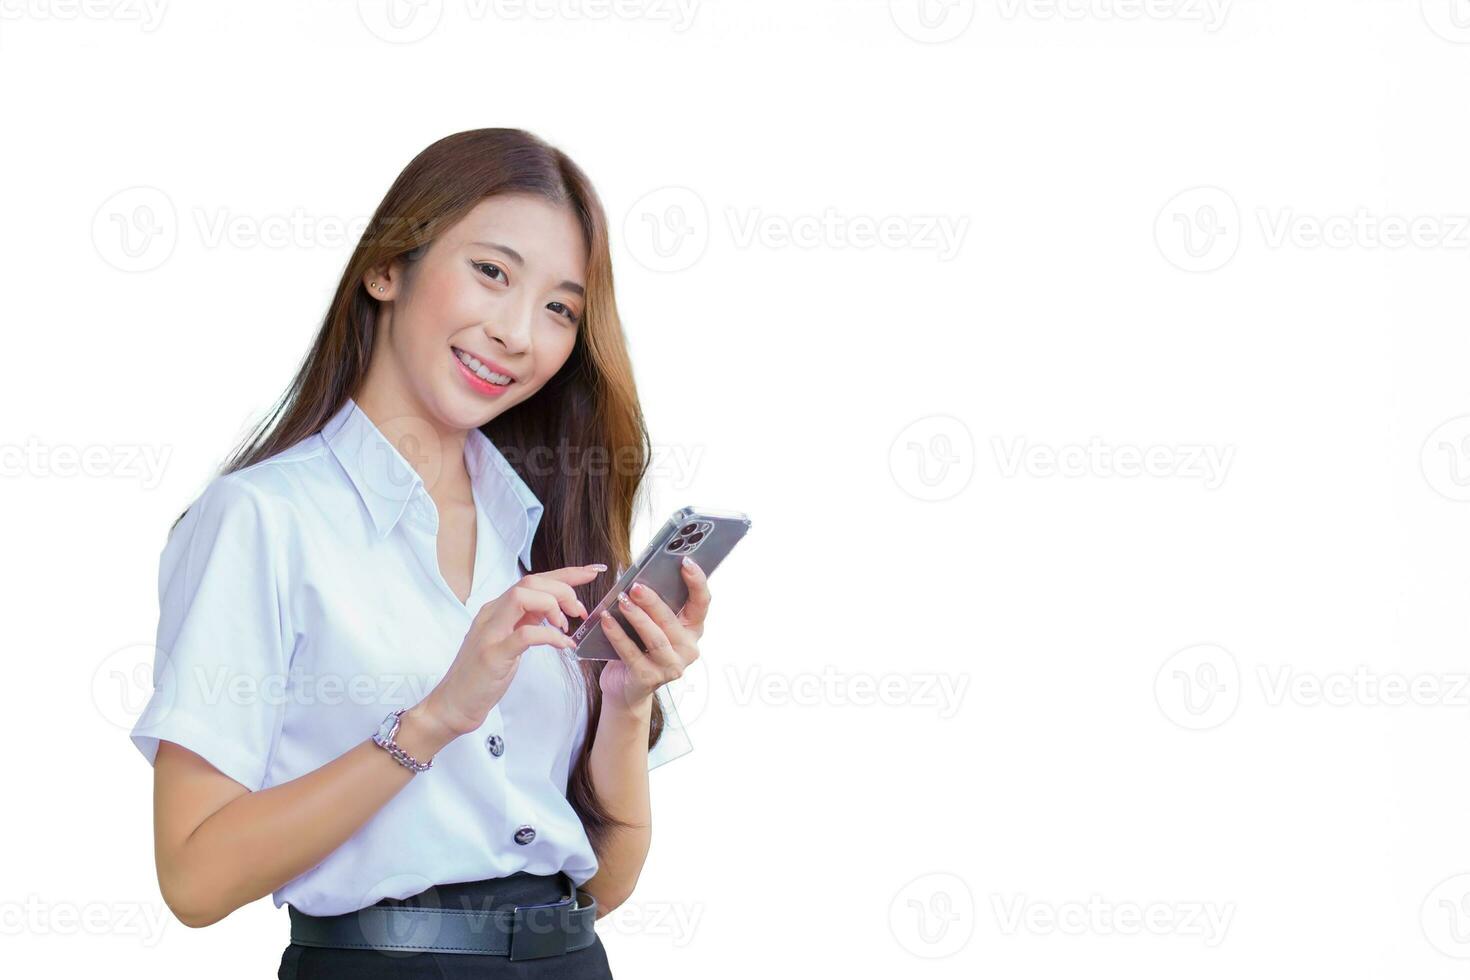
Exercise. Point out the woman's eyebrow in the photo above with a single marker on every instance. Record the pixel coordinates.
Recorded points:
(515, 257)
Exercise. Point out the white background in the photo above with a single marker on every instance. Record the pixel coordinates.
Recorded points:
(980, 695)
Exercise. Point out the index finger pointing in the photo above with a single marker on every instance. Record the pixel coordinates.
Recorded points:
(571, 574)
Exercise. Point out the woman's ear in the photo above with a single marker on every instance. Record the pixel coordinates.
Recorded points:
(382, 282)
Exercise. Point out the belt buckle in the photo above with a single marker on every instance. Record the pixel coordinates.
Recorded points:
(540, 930)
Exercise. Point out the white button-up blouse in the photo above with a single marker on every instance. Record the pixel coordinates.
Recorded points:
(300, 600)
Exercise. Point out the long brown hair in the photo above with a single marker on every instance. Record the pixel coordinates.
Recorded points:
(590, 404)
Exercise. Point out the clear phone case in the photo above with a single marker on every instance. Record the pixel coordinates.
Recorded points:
(674, 742)
(703, 534)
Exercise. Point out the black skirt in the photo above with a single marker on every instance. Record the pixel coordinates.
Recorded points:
(322, 963)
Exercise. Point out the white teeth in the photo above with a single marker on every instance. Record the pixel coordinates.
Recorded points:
(481, 370)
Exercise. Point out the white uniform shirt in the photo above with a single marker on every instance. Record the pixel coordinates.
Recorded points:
(300, 600)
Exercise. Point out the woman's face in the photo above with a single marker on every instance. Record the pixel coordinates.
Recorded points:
(486, 316)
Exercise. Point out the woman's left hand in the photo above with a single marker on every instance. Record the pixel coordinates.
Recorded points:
(672, 641)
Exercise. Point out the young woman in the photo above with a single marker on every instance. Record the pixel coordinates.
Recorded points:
(412, 531)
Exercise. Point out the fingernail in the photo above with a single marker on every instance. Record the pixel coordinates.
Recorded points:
(689, 563)
(599, 566)
(637, 588)
(623, 598)
(606, 616)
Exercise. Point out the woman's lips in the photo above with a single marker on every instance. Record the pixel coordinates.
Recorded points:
(476, 382)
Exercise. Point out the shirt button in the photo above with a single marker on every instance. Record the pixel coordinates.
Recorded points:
(525, 834)
(495, 744)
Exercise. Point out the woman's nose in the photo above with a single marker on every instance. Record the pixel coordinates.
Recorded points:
(512, 328)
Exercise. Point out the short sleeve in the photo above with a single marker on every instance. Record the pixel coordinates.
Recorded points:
(673, 741)
(220, 662)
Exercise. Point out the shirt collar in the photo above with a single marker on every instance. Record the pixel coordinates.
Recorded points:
(388, 483)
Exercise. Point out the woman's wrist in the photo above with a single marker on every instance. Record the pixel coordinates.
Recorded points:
(421, 734)
(635, 709)
(624, 722)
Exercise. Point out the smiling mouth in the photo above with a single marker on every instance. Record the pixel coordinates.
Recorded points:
(480, 371)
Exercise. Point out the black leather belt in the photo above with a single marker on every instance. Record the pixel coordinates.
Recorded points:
(524, 932)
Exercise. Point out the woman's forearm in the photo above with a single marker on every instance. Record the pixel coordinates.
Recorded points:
(619, 770)
(259, 841)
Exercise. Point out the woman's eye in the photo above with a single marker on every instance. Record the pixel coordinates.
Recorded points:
(493, 271)
(482, 266)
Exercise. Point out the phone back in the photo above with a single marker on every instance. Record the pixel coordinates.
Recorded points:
(706, 536)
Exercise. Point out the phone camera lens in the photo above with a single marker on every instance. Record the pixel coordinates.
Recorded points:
(694, 538)
(687, 528)
(676, 544)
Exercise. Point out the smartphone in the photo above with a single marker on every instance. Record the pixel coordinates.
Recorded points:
(706, 536)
